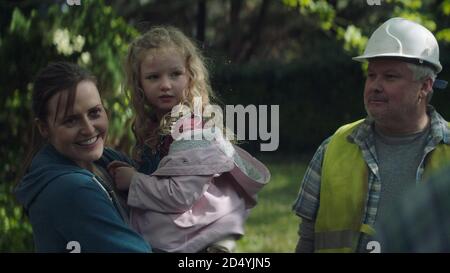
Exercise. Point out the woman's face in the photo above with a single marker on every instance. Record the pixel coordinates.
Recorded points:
(81, 134)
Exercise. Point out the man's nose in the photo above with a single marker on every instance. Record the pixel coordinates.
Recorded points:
(376, 85)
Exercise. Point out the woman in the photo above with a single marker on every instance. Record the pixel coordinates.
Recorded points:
(66, 190)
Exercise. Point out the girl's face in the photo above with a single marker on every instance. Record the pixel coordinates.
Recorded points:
(81, 134)
(163, 79)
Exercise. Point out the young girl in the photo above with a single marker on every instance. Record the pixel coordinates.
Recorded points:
(189, 195)
(66, 190)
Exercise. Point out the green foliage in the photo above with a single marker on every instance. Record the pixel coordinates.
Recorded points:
(445, 7)
(15, 231)
(444, 35)
(320, 8)
(353, 39)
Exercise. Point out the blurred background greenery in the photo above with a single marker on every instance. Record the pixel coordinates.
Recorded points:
(291, 53)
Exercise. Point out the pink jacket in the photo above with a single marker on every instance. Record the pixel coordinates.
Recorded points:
(196, 197)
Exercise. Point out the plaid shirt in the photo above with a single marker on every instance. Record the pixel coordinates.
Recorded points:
(307, 202)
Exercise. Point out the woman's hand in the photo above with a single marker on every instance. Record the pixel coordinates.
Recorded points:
(122, 174)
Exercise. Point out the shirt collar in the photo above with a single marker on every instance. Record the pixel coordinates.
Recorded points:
(439, 129)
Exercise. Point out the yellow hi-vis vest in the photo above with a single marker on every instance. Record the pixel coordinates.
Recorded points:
(344, 189)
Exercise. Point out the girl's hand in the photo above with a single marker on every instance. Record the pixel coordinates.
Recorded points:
(122, 173)
(114, 165)
(123, 176)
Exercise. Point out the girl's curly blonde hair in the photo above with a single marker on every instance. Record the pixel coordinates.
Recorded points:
(162, 38)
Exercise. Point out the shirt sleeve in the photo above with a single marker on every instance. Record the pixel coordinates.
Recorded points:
(307, 202)
(306, 232)
(83, 213)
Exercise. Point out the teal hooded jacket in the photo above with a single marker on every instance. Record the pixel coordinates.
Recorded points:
(70, 211)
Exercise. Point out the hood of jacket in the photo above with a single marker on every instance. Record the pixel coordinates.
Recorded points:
(47, 165)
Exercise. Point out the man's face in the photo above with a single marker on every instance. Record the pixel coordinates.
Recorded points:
(391, 94)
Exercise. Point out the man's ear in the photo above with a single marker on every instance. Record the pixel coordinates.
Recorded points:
(43, 127)
(427, 87)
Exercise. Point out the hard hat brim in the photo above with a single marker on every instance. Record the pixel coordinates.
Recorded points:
(403, 57)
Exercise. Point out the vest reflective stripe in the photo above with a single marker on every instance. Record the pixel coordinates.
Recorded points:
(335, 239)
(340, 241)
(344, 189)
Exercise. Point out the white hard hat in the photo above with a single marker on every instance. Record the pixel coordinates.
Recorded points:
(398, 37)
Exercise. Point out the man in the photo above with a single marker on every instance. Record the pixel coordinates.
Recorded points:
(357, 173)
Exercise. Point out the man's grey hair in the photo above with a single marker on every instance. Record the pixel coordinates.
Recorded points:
(422, 72)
